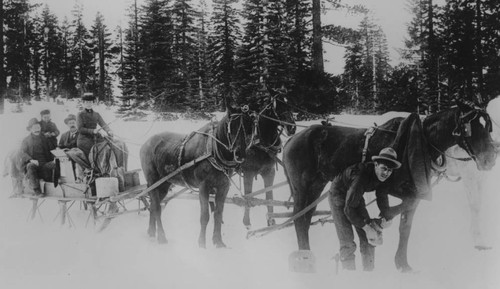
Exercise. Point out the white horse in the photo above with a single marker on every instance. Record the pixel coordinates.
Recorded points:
(474, 181)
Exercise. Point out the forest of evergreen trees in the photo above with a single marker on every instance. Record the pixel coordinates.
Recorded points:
(174, 55)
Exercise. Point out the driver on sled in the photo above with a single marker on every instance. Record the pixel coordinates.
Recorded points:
(107, 156)
(349, 209)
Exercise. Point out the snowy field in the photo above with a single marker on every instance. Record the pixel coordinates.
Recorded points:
(36, 254)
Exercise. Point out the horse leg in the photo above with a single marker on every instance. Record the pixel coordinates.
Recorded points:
(248, 185)
(303, 198)
(401, 258)
(155, 223)
(220, 199)
(268, 177)
(204, 213)
(473, 186)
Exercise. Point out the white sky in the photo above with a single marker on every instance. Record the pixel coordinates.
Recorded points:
(392, 15)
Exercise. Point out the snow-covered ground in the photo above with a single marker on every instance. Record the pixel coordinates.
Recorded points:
(36, 254)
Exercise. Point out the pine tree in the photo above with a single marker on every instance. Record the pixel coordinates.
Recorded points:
(51, 53)
(253, 59)
(202, 61)
(82, 58)
(36, 55)
(3, 79)
(67, 77)
(157, 40)
(132, 70)
(17, 54)
(184, 49)
(223, 44)
(101, 39)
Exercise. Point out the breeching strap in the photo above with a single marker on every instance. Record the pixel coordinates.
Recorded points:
(164, 179)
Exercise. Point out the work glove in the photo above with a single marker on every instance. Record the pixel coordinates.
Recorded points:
(383, 223)
(373, 233)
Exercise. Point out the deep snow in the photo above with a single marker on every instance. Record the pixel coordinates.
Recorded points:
(36, 254)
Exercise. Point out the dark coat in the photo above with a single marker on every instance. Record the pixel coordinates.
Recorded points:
(27, 147)
(68, 142)
(50, 127)
(348, 188)
(86, 122)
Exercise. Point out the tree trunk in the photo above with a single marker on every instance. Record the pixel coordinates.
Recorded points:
(479, 53)
(432, 67)
(3, 81)
(317, 46)
(102, 71)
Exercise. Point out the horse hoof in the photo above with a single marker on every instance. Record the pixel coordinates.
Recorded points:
(482, 247)
(248, 227)
(406, 269)
(162, 240)
(221, 245)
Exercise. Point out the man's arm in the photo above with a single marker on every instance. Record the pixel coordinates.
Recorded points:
(55, 130)
(81, 129)
(355, 209)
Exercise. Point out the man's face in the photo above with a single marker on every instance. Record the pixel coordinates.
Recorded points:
(35, 129)
(88, 104)
(382, 171)
(71, 125)
(46, 117)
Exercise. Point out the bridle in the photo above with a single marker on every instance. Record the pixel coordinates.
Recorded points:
(241, 130)
(275, 144)
(463, 130)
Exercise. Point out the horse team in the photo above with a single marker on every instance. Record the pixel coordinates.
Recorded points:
(247, 140)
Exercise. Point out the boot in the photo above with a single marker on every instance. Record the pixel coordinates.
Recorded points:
(349, 264)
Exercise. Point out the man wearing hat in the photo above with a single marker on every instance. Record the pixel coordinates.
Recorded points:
(68, 139)
(87, 121)
(68, 144)
(349, 209)
(35, 157)
(48, 128)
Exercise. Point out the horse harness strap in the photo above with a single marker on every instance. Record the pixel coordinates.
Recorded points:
(179, 160)
(368, 134)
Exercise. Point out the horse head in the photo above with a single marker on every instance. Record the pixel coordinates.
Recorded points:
(239, 131)
(473, 134)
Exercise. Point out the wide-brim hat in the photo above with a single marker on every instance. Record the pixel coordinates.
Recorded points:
(389, 156)
(69, 117)
(32, 122)
(88, 96)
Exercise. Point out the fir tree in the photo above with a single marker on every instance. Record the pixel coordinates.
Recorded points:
(102, 49)
(51, 53)
(3, 79)
(132, 71)
(184, 49)
(157, 41)
(81, 51)
(224, 42)
(17, 54)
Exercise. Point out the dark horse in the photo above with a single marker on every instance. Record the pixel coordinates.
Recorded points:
(262, 155)
(224, 142)
(317, 154)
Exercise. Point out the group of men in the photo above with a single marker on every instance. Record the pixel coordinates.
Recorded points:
(35, 158)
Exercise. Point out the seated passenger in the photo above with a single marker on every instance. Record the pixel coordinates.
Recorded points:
(36, 160)
(48, 128)
(68, 144)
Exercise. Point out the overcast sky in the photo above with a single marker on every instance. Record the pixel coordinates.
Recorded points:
(392, 15)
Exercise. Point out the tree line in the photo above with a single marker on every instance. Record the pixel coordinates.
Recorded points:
(178, 54)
